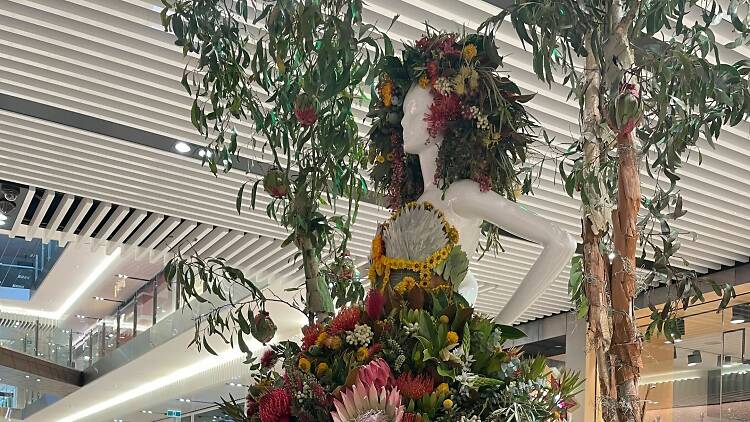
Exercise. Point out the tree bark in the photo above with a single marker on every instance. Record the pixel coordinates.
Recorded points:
(626, 347)
(311, 266)
(595, 216)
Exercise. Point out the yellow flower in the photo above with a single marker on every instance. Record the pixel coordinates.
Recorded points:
(380, 159)
(387, 93)
(377, 247)
(334, 342)
(452, 337)
(470, 51)
(321, 369)
(406, 284)
(362, 353)
(390, 156)
(444, 319)
(322, 337)
(304, 364)
(474, 79)
(424, 283)
(447, 404)
(459, 85)
(424, 81)
(442, 389)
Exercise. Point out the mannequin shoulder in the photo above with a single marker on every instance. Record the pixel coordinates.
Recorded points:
(468, 193)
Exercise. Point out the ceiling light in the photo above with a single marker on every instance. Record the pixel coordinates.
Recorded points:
(611, 256)
(204, 153)
(38, 380)
(182, 147)
(28, 376)
(740, 313)
(694, 358)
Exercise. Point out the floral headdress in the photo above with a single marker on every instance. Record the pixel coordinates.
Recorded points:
(479, 114)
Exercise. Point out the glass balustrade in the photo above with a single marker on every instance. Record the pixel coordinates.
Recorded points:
(152, 303)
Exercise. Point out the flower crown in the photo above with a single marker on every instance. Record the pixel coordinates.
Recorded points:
(479, 114)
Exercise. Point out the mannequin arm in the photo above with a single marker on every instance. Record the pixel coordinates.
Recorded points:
(558, 245)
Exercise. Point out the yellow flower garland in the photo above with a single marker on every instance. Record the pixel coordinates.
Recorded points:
(382, 265)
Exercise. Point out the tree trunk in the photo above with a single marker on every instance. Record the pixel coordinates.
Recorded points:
(316, 307)
(595, 216)
(626, 347)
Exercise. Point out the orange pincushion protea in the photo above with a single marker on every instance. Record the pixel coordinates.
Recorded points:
(346, 319)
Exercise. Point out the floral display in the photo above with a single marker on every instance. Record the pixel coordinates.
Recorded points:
(478, 114)
(413, 350)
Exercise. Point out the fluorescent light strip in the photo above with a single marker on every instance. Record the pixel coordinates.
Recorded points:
(179, 375)
(91, 279)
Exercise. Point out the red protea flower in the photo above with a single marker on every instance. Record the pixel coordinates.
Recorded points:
(374, 349)
(346, 319)
(310, 335)
(448, 45)
(442, 110)
(306, 115)
(414, 386)
(374, 304)
(432, 69)
(423, 43)
(275, 406)
(268, 359)
(485, 183)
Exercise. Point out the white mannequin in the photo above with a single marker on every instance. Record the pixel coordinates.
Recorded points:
(465, 207)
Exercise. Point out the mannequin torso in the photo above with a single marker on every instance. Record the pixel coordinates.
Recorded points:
(466, 207)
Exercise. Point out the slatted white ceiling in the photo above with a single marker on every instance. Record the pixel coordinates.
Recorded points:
(112, 61)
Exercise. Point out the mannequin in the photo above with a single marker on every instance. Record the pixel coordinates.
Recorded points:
(466, 207)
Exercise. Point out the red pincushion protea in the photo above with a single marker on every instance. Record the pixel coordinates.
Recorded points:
(442, 110)
(306, 116)
(374, 304)
(251, 405)
(346, 319)
(414, 386)
(275, 406)
(310, 335)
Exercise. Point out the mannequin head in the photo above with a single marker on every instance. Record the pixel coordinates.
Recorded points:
(416, 106)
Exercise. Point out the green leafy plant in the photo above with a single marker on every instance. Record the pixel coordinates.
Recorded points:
(291, 71)
(650, 83)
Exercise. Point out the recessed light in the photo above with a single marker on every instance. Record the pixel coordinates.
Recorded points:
(182, 147)
(28, 376)
(38, 380)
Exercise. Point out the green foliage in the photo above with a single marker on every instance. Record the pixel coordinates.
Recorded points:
(576, 287)
(292, 71)
(685, 93)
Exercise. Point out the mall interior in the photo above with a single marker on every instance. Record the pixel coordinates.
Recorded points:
(104, 181)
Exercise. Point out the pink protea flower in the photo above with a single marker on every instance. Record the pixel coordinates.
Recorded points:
(368, 404)
(376, 373)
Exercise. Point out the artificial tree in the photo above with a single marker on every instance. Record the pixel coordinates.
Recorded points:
(650, 83)
(292, 72)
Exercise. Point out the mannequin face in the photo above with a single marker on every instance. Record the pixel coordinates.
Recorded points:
(416, 106)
